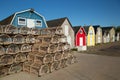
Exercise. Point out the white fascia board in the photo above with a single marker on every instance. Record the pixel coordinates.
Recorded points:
(23, 11)
(12, 19)
(18, 13)
(42, 17)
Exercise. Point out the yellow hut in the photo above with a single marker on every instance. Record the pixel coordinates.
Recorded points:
(90, 35)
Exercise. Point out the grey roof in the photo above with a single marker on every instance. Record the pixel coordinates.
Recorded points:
(86, 28)
(95, 28)
(7, 20)
(57, 22)
(75, 29)
(106, 29)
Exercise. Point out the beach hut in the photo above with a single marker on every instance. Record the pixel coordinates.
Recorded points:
(98, 34)
(80, 38)
(108, 34)
(90, 35)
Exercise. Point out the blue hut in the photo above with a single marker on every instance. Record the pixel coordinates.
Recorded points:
(29, 18)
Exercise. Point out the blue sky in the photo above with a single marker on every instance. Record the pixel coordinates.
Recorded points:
(79, 12)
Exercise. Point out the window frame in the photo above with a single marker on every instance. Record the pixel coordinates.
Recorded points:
(19, 21)
(36, 23)
(91, 32)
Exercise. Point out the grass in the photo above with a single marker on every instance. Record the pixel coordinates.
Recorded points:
(110, 49)
(74, 49)
(114, 54)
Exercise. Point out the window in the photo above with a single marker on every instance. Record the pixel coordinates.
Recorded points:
(91, 32)
(21, 21)
(38, 23)
(80, 31)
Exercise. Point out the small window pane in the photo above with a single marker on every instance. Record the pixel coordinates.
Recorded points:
(80, 31)
(21, 21)
(38, 23)
(91, 32)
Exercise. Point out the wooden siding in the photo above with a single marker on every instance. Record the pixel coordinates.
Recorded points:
(98, 37)
(28, 15)
(91, 37)
(112, 35)
(70, 32)
(80, 35)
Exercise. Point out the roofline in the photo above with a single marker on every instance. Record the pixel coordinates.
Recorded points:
(42, 17)
(77, 33)
(18, 13)
(68, 22)
(79, 30)
(12, 19)
(84, 30)
(29, 10)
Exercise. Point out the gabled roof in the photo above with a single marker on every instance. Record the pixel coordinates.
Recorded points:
(95, 28)
(76, 29)
(57, 22)
(86, 28)
(106, 29)
(7, 20)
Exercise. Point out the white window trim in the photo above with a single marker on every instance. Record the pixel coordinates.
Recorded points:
(21, 18)
(38, 25)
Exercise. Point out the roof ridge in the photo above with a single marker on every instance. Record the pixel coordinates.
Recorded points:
(57, 19)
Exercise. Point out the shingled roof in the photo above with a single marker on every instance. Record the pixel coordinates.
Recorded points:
(95, 28)
(7, 20)
(106, 29)
(75, 29)
(57, 22)
(86, 28)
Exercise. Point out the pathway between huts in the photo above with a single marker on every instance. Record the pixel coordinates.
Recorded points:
(88, 67)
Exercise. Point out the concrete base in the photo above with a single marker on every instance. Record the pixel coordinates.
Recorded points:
(82, 48)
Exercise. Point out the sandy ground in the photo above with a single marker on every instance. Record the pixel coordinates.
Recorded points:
(88, 67)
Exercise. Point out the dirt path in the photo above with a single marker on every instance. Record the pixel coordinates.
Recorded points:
(88, 67)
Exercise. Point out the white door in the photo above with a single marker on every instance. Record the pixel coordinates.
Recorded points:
(30, 23)
(81, 41)
(66, 30)
(91, 40)
(99, 40)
